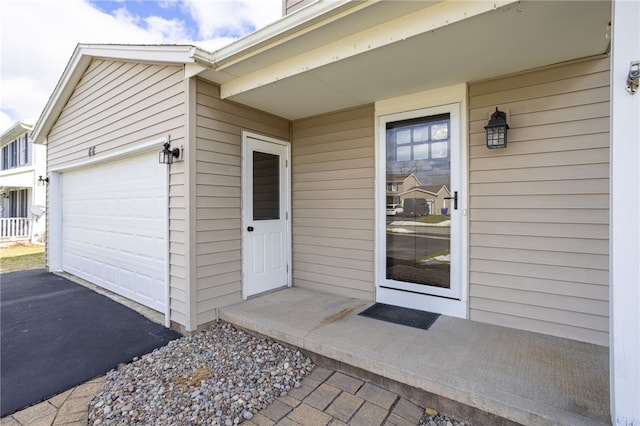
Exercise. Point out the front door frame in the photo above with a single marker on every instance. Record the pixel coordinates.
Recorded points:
(455, 96)
(246, 158)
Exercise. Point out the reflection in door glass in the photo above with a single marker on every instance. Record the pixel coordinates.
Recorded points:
(266, 186)
(418, 221)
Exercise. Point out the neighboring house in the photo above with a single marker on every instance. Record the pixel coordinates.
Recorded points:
(285, 138)
(435, 195)
(22, 199)
(397, 183)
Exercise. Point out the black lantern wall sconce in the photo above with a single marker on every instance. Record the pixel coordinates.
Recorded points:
(497, 130)
(167, 155)
(42, 181)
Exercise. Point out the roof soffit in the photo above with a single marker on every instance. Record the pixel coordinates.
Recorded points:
(452, 43)
(15, 131)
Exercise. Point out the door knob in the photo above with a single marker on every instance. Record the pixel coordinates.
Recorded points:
(250, 229)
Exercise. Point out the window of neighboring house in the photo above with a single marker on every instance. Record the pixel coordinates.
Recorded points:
(16, 153)
(13, 203)
(18, 203)
(13, 154)
(24, 149)
(23, 202)
(392, 187)
(5, 157)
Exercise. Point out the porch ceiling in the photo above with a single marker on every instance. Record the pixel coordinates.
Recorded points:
(448, 43)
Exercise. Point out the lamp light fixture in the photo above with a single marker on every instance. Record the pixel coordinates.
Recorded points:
(167, 154)
(497, 130)
(42, 181)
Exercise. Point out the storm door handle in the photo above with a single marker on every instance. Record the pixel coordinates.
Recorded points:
(455, 199)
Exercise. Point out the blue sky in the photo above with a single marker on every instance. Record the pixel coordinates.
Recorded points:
(169, 10)
(38, 37)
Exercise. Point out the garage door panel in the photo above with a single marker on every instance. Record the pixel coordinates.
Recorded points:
(114, 218)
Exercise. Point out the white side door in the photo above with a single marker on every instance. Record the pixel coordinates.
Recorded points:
(266, 204)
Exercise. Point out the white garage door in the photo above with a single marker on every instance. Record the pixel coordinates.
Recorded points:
(113, 227)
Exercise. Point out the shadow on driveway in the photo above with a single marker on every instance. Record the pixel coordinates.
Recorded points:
(57, 334)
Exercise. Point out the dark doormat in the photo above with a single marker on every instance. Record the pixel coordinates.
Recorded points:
(57, 334)
(399, 315)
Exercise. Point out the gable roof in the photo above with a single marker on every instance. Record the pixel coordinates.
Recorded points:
(401, 177)
(80, 60)
(430, 189)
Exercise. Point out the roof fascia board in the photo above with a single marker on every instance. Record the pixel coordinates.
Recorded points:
(280, 31)
(172, 54)
(15, 131)
(428, 19)
(67, 82)
(417, 190)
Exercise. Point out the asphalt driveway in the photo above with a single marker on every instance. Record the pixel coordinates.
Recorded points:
(56, 334)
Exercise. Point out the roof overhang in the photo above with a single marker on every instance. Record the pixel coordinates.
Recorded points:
(385, 49)
(15, 131)
(333, 55)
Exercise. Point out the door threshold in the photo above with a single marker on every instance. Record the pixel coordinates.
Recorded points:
(422, 302)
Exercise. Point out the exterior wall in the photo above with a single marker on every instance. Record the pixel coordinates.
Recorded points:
(410, 182)
(333, 183)
(219, 127)
(118, 105)
(539, 209)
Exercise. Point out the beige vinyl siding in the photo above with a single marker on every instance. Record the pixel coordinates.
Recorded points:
(333, 203)
(115, 106)
(539, 218)
(219, 127)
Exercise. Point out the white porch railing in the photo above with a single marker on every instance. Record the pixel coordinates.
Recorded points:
(15, 228)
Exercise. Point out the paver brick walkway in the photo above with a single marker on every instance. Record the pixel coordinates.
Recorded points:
(325, 397)
(329, 397)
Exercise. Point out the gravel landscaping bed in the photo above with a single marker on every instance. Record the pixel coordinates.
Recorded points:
(220, 376)
(440, 420)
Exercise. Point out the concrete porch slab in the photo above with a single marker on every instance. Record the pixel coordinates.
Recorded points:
(520, 376)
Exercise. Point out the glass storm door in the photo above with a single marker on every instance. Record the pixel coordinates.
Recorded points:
(265, 216)
(422, 211)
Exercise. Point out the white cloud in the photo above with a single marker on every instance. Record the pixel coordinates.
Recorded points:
(231, 17)
(5, 122)
(170, 29)
(39, 36)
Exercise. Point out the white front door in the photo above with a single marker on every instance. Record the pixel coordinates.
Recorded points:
(266, 201)
(419, 247)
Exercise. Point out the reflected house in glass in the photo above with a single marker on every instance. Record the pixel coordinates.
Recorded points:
(435, 195)
(399, 183)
